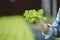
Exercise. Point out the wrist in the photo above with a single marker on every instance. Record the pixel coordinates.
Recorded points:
(46, 29)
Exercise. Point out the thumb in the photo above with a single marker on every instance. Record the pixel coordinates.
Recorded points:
(42, 25)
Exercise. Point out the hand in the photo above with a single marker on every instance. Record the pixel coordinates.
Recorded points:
(41, 26)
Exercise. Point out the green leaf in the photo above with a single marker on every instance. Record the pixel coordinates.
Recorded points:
(32, 16)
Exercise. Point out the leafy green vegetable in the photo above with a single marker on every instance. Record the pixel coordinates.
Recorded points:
(32, 16)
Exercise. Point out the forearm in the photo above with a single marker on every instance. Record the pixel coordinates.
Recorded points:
(50, 32)
(47, 30)
(54, 29)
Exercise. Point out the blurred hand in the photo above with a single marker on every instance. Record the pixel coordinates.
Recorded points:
(42, 26)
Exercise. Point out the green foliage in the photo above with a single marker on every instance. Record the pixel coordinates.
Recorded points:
(14, 28)
(50, 20)
(32, 16)
(57, 38)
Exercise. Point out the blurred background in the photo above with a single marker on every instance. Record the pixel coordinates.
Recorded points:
(17, 7)
(13, 27)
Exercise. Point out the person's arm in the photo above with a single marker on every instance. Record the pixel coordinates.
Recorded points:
(54, 29)
(50, 32)
(56, 24)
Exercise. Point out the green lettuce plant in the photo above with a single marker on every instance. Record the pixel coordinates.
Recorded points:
(33, 16)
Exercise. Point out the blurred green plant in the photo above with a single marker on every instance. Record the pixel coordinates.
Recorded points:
(32, 16)
(49, 20)
(14, 28)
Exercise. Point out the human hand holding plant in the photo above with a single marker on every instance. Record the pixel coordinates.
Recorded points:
(33, 16)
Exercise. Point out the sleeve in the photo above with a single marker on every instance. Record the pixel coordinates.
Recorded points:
(58, 16)
(52, 32)
(54, 28)
(56, 24)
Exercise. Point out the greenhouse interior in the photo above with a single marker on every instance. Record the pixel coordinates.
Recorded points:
(32, 19)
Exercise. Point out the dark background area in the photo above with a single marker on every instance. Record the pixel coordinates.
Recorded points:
(19, 6)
